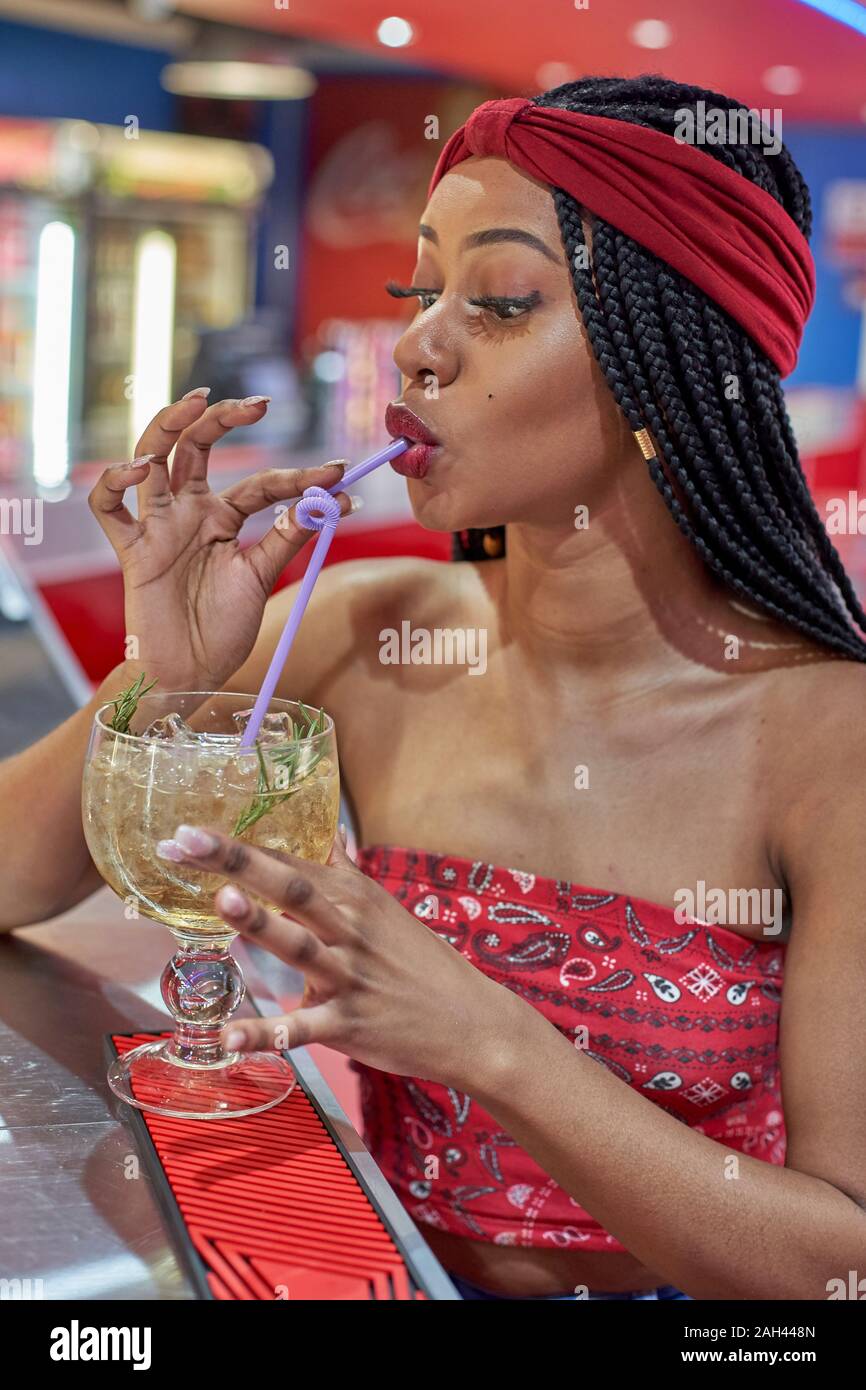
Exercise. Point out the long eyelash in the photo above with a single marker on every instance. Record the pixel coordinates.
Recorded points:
(493, 302)
(404, 291)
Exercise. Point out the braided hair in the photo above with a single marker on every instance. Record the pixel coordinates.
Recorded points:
(728, 468)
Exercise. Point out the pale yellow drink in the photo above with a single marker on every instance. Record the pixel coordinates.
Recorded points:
(137, 793)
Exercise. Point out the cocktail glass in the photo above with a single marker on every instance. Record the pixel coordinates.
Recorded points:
(281, 794)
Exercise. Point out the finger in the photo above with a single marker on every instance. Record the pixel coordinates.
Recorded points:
(289, 941)
(192, 454)
(269, 556)
(274, 485)
(318, 1023)
(158, 440)
(107, 504)
(291, 884)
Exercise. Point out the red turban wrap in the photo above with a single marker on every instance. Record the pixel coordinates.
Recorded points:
(719, 230)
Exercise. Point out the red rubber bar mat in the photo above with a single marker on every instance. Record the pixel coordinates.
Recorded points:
(266, 1207)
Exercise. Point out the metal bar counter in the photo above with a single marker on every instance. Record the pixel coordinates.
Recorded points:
(78, 1217)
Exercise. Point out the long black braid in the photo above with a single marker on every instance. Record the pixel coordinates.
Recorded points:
(728, 469)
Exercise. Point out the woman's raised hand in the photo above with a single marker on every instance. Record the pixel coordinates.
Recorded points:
(194, 598)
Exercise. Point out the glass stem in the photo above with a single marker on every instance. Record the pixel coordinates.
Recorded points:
(202, 986)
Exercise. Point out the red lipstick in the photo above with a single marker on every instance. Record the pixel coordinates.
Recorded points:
(400, 421)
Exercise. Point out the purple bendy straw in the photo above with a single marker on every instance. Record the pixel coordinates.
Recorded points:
(315, 508)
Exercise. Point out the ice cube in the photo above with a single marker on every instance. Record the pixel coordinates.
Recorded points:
(171, 727)
(276, 727)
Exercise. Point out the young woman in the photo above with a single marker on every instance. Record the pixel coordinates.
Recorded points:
(573, 1086)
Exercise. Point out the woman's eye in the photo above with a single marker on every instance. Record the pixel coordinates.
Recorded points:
(411, 291)
(507, 308)
(501, 306)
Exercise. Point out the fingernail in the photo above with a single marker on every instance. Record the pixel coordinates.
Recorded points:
(194, 840)
(197, 391)
(344, 833)
(170, 849)
(235, 1039)
(357, 502)
(232, 902)
(136, 463)
(253, 400)
(336, 463)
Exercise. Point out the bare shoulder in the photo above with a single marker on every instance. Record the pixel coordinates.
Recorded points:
(818, 741)
(351, 601)
(822, 705)
(361, 590)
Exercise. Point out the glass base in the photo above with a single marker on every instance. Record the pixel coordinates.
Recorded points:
(242, 1083)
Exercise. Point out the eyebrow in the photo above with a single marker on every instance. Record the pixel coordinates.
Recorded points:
(494, 234)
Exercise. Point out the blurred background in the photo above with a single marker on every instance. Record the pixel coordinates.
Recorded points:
(215, 191)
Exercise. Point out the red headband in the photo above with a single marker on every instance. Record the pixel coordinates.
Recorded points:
(726, 235)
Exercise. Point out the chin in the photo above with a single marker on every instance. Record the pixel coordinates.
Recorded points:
(436, 511)
(447, 501)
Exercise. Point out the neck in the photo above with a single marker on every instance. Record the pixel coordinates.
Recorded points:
(628, 596)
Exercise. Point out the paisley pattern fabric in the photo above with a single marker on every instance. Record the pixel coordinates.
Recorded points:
(686, 1014)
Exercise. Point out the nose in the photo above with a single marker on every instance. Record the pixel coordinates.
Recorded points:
(424, 351)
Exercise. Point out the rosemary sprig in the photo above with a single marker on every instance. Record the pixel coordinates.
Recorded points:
(127, 703)
(268, 796)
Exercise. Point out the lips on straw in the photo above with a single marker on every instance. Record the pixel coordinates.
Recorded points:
(315, 508)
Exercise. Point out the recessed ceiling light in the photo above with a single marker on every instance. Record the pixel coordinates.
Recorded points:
(394, 32)
(651, 33)
(783, 80)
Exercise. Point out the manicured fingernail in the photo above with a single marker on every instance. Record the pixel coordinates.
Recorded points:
(194, 840)
(357, 502)
(136, 463)
(344, 832)
(235, 1039)
(336, 463)
(170, 849)
(232, 902)
(253, 400)
(197, 391)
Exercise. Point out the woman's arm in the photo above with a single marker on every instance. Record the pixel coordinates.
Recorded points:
(713, 1222)
(46, 867)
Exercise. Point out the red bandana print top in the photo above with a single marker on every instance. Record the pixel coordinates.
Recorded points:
(687, 1014)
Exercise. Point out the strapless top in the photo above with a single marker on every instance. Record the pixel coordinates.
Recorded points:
(686, 1014)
